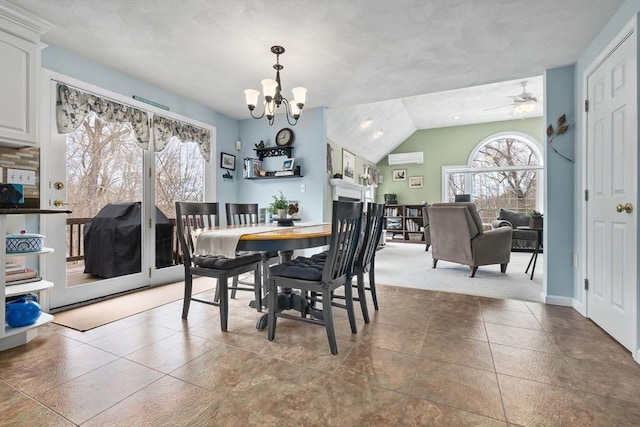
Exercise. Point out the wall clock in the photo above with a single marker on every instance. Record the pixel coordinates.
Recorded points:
(284, 137)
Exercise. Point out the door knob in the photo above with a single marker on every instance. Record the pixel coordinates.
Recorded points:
(59, 203)
(627, 207)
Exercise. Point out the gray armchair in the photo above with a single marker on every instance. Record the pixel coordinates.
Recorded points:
(427, 229)
(457, 235)
(522, 240)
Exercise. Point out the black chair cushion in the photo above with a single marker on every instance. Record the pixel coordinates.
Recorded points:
(299, 268)
(220, 262)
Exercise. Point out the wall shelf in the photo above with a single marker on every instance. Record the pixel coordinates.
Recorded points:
(273, 152)
(256, 178)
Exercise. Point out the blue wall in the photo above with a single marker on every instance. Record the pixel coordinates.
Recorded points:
(559, 190)
(310, 139)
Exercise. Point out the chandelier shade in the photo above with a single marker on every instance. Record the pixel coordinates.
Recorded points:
(273, 99)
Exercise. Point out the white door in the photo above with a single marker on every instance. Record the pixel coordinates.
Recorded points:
(612, 184)
(130, 176)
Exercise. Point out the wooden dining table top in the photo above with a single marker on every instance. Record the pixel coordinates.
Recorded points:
(288, 233)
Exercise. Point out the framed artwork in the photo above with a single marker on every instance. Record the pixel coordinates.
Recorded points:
(287, 164)
(227, 161)
(399, 174)
(415, 182)
(348, 165)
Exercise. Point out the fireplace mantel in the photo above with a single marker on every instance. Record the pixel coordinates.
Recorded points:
(347, 190)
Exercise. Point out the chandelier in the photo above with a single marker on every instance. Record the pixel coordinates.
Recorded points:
(273, 97)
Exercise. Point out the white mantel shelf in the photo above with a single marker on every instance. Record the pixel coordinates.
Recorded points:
(345, 189)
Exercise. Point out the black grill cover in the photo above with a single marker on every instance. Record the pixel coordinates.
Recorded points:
(112, 241)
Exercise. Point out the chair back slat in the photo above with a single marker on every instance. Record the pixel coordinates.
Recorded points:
(345, 232)
(242, 213)
(371, 235)
(191, 216)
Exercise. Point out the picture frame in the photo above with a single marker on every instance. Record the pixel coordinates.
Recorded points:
(399, 174)
(287, 164)
(415, 182)
(348, 166)
(227, 161)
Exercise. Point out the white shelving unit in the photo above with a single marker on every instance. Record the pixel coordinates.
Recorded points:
(13, 337)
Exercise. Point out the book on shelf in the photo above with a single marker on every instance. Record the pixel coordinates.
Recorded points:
(251, 167)
(284, 173)
(23, 281)
(28, 273)
(14, 268)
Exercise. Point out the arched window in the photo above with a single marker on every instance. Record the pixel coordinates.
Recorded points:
(503, 171)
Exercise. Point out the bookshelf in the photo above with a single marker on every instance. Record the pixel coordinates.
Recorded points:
(404, 223)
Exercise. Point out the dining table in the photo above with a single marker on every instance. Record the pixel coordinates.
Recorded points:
(266, 238)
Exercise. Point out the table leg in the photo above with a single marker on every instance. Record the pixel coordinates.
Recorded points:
(287, 300)
(534, 257)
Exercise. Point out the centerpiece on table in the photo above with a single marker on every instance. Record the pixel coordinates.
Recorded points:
(280, 206)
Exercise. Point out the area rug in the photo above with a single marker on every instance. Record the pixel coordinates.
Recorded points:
(409, 265)
(103, 312)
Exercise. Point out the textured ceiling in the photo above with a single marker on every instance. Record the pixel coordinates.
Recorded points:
(386, 59)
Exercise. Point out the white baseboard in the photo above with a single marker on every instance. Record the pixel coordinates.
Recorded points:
(557, 300)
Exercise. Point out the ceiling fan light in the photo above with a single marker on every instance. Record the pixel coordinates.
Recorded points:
(524, 107)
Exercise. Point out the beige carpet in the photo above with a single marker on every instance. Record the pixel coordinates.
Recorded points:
(103, 312)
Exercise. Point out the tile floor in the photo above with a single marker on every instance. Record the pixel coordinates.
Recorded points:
(427, 358)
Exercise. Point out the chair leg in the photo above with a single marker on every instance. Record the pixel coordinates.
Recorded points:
(257, 288)
(328, 321)
(188, 285)
(435, 261)
(362, 297)
(372, 283)
(216, 297)
(223, 285)
(473, 271)
(272, 298)
(234, 284)
(503, 268)
(348, 302)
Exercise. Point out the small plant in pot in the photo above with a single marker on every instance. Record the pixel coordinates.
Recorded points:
(536, 220)
(279, 206)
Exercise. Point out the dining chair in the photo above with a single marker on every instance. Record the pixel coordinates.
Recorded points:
(249, 214)
(364, 260)
(191, 217)
(315, 278)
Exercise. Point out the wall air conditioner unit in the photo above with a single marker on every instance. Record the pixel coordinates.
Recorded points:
(406, 158)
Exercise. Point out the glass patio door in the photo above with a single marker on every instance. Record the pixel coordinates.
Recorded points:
(118, 237)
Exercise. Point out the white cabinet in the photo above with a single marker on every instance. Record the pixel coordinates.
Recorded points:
(13, 337)
(19, 69)
(18, 94)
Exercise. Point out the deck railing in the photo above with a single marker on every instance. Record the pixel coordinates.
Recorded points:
(75, 239)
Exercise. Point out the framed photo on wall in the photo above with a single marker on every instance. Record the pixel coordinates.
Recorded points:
(348, 166)
(415, 182)
(227, 161)
(399, 174)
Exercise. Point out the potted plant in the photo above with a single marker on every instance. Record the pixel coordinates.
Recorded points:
(536, 220)
(280, 206)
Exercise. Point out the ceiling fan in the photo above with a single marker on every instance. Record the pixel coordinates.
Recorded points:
(522, 103)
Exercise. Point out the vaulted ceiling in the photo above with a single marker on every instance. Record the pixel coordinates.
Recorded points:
(403, 64)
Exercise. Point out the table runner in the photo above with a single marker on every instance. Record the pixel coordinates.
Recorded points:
(224, 241)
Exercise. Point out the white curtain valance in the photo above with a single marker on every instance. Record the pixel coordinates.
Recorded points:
(165, 128)
(73, 106)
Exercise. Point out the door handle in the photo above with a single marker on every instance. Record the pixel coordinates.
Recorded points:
(59, 203)
(627, 207)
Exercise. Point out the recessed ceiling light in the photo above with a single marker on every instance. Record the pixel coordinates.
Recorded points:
(378, 133)
(456, 117)
(365, 124)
